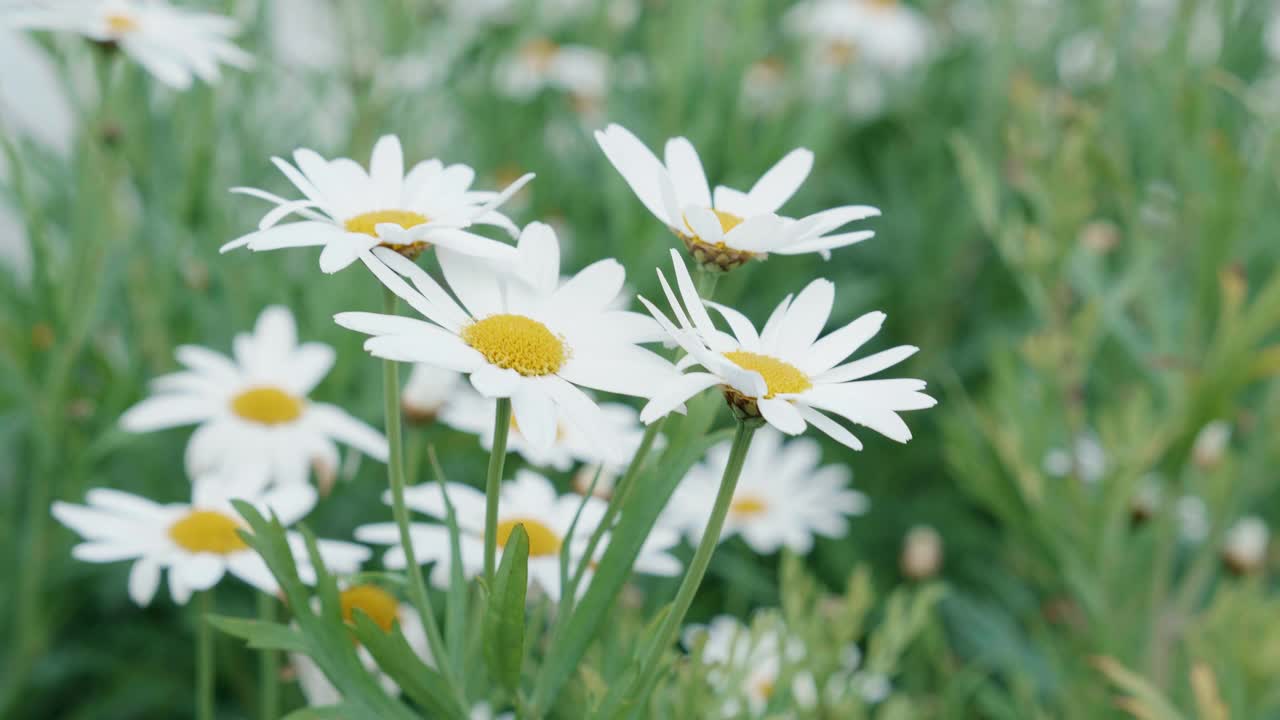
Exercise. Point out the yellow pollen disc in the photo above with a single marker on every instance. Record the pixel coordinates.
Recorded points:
(267, 405)
(748, 506)
(381, 606)
(766, 688)
(207, 531)
(539, 53)
(121, 24)
(515, 342)
(367, 223)
(543, 541)
(781, 377)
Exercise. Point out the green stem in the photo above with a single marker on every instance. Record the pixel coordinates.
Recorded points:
(268, 665)
(620, 492)
(204, 657)
(648, 667)
(400, 511)
(497, 458)
(706, 282)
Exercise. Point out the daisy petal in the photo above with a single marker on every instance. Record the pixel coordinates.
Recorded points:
(835, 347)
(675, 395)
(781, 414)
(782, 180)
(868, 365)
(687, 175)
(830, 427)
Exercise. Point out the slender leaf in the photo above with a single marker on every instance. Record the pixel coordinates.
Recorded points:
(259, 634)
(396, 658)
(505, 617)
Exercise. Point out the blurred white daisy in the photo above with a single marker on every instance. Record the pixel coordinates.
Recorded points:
(305, 34)
(484, 711)
(1192, 516)
(785, 373)
(1086, 457)
(742, 664)
(886, 34)
(350, 211)
(529, 500)
(1085, 59)
(782, 500)
(1211, 444)
(527, 336)
(1245, 546)
(428, 392)
(539, 64)
(735, 227)
(196, 542)
(253, 410)
(33, 98)
(173, 44)
(386, 611)
(473, 413)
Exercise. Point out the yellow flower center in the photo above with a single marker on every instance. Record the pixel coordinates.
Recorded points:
(267, 405)
(118, 24)
(543, 541)
(367, 223)
(515, 342)
(208, 531)
(781, 377)
(539, 53)
(748, 507)
(728, 221)
(381, 606)
(765, 689)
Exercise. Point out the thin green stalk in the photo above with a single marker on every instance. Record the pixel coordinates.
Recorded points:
(204, 657)
(651, 661)
(396, 479)
(706, 282)
(268, 665)
(497, 458)
(620, 491)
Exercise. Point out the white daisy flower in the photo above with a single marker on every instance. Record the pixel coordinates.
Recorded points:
(386, 611)
(527, 336)
(529, 500)
(428, 392)
(785, 373)
(305, 34)
(173, 44)
(743, 664)
(1245, 546)
(782, 499)
(253, 410)
(539, 64)
(349, 211)
(196, 542)
(887, 34)
(473, 413)
(1086, 457)
(735, 227)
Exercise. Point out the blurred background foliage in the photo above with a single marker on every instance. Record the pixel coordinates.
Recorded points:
(1080, 208)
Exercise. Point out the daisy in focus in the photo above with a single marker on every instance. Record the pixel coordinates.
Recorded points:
(387, 612)
(731, 228)
(197, 542)
(473, 413)
(349, 211)
(529, 500)
(253, 410)
(526, 336)
(782, 499)
(174, 45)
(785, 374)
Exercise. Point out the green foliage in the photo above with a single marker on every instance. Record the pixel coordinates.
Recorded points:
(504, 623)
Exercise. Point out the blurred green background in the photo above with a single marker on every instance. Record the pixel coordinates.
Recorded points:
(1080, 212)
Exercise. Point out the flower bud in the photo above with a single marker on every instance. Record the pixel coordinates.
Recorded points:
(1211, 444)
(921, 553)
(1244, 549)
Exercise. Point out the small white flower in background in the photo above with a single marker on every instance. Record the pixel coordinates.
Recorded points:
(922, 553)
(350, 211)
(1211, 444)
(1085, 60)
(526, 335)
(196, 542)
(173, 44)
(745, 665)
(1087, 458)
(886, 34)
(385, 610)
(1245, 547)
(785, 373)
(1147, 498)
(484, 711)
(473, 413)
(428, 392)
(529, 500)
(604, 485)
(1271, 35)
(254, 410)
(764, 88)
(735, 227)
(1193, 519)
(581, 71)
(305, 34)
(873, 687)
(782, 500)
(33, 99)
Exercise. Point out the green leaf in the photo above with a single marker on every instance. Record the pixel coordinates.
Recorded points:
(505, 616)
(328, 712)
(396, 658)
(259, 634)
